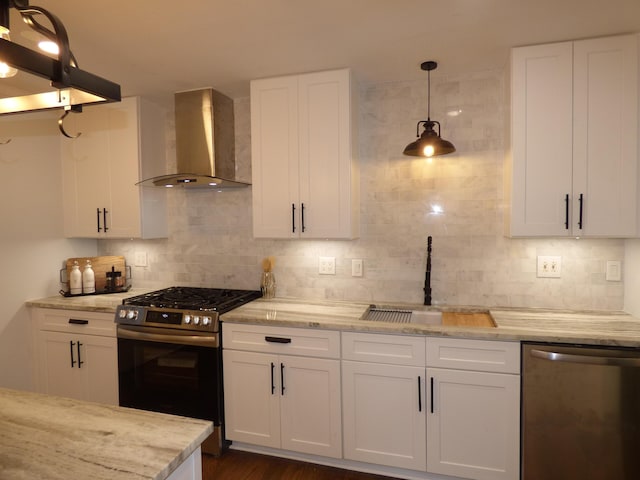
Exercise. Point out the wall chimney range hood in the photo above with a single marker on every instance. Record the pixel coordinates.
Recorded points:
(205, 143)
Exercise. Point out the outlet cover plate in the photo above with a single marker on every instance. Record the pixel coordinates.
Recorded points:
(327, 266)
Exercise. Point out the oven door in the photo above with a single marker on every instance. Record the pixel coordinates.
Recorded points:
(177, 372)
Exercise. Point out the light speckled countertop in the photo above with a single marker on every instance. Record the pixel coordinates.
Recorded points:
(515, 324)
(49, 438)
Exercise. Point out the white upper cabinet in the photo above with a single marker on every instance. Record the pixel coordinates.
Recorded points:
(119, 144)
(574, 128)
(304, 165)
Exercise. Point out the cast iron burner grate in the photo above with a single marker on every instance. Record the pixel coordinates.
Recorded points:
(220, 300)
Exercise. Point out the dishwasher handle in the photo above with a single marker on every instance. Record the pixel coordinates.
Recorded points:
(587, 359)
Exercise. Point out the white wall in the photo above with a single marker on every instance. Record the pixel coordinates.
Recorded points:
(32, 247)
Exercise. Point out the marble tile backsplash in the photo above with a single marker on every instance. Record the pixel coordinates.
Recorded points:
(457, 199)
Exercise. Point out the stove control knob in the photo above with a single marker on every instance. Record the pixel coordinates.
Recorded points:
(196, 320)
(132, 314)
(206, 321)
(187, 319)
(122, 313)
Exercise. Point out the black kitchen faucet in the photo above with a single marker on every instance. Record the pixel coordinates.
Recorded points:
(427, 276)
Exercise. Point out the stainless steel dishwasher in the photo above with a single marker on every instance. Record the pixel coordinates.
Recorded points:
(580, 412)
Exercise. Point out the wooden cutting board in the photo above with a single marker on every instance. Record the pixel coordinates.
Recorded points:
(100, 265)
(459, 319)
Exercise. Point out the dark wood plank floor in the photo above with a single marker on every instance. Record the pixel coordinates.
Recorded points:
(236, 465)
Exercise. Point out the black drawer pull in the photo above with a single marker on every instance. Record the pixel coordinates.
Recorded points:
(76, 321)
(277, 339)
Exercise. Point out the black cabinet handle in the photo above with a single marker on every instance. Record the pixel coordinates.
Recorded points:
(80, 362)
(293, 218)
(302, 215)
(566, 211)
(104, 216)
(273, 385)
(419, 394)
(581, 200)
(431, 394)
(98, 218)
(71, 344)
(277, 339)
(282, 378)
(76, 321)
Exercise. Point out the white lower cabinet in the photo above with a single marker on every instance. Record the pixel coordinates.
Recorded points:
(473, 416)
(383, 399)
(76, 355)
(278, 400)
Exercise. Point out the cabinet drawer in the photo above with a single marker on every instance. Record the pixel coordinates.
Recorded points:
(281, 340)
(380, 348)
(481, 355)
(74, 321)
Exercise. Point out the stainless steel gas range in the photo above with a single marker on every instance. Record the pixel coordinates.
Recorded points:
(169, 355)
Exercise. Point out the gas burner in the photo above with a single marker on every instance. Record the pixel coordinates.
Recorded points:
(194, 298)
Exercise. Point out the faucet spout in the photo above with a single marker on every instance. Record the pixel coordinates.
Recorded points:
(427, 276)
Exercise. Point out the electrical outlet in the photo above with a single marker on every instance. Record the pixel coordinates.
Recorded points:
(327, 266)
(356, 267)
(140, 259)
(549, 266)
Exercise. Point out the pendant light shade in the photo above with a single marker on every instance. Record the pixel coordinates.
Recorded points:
(430, 143)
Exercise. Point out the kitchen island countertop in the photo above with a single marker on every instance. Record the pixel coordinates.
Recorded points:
(512, 324)
(46, 437)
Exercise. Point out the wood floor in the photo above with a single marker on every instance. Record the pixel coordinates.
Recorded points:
(236, 465)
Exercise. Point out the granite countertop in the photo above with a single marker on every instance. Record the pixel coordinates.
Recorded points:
(512, 324)
(105, 303)
(44, 437)
(563, 326)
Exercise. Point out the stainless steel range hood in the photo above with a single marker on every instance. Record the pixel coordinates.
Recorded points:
(205, 143)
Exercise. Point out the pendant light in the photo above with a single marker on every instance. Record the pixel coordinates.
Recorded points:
(70, 87)
(430, 143)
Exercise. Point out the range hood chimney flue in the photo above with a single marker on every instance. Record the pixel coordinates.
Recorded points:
(205, 142)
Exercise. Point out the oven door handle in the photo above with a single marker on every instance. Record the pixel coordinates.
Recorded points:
(142, 333)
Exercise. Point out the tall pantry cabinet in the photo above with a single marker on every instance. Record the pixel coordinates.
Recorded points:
(573, 169)
(303, 150)
(119, 145)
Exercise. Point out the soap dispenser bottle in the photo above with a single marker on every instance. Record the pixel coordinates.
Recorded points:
(88, 279)
(75, 279)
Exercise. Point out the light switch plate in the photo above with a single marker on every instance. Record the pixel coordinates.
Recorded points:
(549, 266)
(614, 271)
(356, 267)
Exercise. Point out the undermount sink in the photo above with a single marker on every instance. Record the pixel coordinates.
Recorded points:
(428, 317)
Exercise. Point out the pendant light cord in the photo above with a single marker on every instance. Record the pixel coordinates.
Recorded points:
(429, 95)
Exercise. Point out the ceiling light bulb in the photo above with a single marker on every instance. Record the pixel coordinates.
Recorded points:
(49, 47)
(6, 70)
(428, 151)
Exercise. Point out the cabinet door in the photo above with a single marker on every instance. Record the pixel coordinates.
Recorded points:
(85, 172)
(473, 424)
(84, 367)
(99, 368)
(325, 154)
(274, 157)
(541, 130)
(252, 398)
(605, 136)
(56, 375)
(310, 405)
(384, 414)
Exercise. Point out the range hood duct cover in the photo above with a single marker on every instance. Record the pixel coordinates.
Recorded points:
(205, 142)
